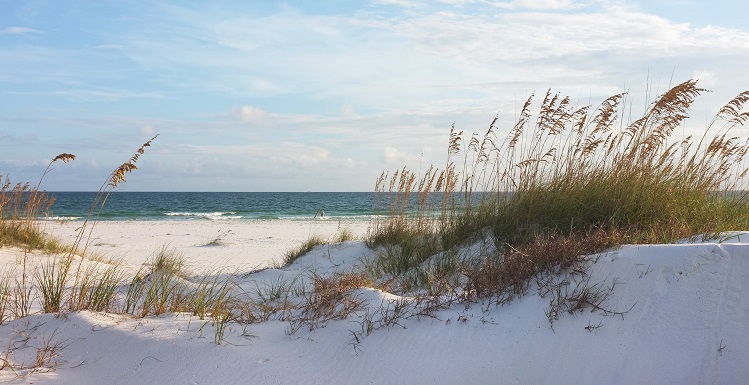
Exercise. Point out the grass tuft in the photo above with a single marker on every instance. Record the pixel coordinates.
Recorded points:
(345, 235)
(292, 255)
(51, 279)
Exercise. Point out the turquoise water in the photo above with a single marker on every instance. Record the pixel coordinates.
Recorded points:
(216, 205)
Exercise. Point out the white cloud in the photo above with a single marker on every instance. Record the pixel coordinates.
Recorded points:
(706, 78)
(355, 165)
(249, 114)
(16, 30)
(537, 4)
(347, 111)
(298, 156)
(146, 130)
(396, 157)
(400, 3)
(304, 55)
(94, 94)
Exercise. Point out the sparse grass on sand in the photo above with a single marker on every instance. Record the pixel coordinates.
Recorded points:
(292, 255)
(345, 235)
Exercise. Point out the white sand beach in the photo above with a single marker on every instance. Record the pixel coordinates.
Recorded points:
(684, 315)
(236, 245)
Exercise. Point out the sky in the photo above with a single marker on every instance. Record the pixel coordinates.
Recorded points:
(324, 95)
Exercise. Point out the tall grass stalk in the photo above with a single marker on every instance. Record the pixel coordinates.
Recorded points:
(5, 296)
(116, 178)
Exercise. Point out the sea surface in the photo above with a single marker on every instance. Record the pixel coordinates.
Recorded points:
(216, 206)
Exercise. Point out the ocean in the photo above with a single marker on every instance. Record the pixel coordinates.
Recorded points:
(216, 205)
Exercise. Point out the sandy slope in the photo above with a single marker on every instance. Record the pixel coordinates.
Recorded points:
(687, 323)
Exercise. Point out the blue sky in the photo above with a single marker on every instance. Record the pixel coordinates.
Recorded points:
(323, 95)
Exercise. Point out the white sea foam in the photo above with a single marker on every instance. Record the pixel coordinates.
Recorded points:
(207, 215)
(62, 218)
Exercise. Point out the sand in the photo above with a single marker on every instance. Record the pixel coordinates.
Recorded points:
(237, 245)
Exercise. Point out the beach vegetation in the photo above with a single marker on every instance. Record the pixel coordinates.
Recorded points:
(566, 182)
(212, 295)
(47, 355)
(167, 259)
(332, 297)
(83, 237)
(292, 255)
(51, 278)
(272, 298)
(158, 286)
(344, 235)
(97, 289)
(5, 296)
(21, 206)
(218, 240)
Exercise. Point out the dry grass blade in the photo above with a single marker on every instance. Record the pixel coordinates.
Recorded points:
(114, 179)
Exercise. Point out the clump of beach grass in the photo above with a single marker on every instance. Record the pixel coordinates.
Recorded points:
(331, 298)
(218, 240)
(566, 182)
(163, 284)
(20, 208)
(158, 286)
(293, 254)
(98, 287)
(344, 235)
(169, 260)
(51, 278)
(275, 298)
(212, 296)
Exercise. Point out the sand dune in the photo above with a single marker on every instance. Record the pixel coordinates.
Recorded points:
(684, 311)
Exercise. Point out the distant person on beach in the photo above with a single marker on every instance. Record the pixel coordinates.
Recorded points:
(321, 213)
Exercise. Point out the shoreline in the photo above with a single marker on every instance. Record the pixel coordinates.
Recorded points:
(234, 245)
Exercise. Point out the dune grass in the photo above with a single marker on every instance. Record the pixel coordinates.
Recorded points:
(566, 182)
(344, 235)
(292, 255)
(21, 207)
